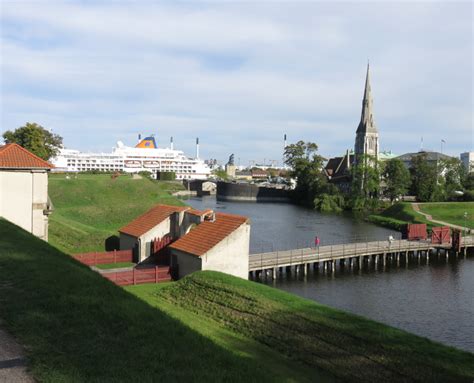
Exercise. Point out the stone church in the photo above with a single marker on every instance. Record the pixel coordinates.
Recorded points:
(338, 169)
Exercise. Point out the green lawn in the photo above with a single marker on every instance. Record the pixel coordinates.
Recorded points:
(230, 311)
(398, 215)
(117, 265)
(77, 326)
(451, 212)
(93, 207)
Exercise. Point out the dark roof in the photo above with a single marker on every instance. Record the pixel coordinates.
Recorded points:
(337, 166)
(14, 156)
(150, 219)
(430, 156)
(208, 234)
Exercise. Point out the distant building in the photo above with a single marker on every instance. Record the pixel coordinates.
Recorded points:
(431, 157)
(24, 189)
(387, 155)
(367, 135)
(467, 160)
(190, 240)
(338, 169)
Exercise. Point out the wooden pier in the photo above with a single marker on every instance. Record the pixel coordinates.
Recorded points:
(351, 254)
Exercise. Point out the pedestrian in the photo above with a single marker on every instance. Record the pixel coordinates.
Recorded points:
(316, 241)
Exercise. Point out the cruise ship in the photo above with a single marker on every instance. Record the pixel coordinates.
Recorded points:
(145, 156)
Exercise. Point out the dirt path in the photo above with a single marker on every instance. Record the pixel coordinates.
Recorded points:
(12, 361)
(416, 207)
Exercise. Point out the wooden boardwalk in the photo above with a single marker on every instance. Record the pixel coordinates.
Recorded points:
(352, 253)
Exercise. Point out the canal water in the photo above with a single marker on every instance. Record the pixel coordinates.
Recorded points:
(435, 301)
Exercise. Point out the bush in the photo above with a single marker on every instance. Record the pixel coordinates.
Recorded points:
(329, 203)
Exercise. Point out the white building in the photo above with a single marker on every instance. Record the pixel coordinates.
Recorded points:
(467, 160)
(24, 189)
(220, 244)
(190, 240)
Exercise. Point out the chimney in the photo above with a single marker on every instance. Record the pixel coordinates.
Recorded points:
(139, 137)
(348, 159)
(197, 147)
(171, 143)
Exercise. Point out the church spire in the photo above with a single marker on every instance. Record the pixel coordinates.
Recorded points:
(367, 136)
(367, 123)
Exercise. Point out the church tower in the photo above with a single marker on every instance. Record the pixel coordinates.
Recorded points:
(367, 136)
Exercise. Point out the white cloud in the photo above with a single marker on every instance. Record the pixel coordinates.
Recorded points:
(238, 75)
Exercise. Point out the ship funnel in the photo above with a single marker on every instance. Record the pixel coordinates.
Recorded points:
(197, 147)
(171, 143)
(139, 137)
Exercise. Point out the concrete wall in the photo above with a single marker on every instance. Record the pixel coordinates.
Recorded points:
(187, 263)
(127, 242)
(159, 231)
(227, 191)
(230, 256)
(23, 200)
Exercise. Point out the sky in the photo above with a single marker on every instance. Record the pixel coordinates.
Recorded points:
(239, 75)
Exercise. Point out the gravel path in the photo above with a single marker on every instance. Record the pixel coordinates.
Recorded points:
(12, 361)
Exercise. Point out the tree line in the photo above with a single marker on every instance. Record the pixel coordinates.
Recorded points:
(372, 182)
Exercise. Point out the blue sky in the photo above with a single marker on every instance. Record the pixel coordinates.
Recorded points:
(239, 74)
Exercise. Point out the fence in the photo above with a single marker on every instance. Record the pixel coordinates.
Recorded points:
(100, 258)
(138, 276)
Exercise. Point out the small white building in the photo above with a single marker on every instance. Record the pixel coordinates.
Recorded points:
(220, 244)
(24, 189)
(161, 223)
(190, 240)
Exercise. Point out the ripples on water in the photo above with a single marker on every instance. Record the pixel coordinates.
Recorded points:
(435, 300)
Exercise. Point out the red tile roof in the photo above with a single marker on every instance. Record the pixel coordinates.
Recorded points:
(13, 156)
(150, 219)
(208, 234)
(198, 212)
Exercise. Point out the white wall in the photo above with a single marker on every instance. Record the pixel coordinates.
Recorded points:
(230, 256)
(159, 231)
(23, 198)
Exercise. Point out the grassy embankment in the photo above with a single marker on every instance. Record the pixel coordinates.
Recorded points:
(77, 326)
(400, 214)
(451, 212)
(93, 207)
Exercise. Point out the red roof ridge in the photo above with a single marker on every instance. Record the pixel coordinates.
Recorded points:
(16, 162)
(208, 234)
(152, 217)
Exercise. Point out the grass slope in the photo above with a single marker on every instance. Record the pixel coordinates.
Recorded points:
(346, 346)
(451, 212)
(93, 207)
(77, 326)
(398, 215)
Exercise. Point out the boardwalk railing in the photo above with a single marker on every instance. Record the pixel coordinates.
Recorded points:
(342, 251)
(101, 258)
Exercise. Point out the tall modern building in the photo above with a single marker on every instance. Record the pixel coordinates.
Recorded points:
(367, 135)
(467, 160)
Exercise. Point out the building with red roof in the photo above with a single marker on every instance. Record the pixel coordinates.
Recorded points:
(219, 243)
(190, 239)
(24, 189)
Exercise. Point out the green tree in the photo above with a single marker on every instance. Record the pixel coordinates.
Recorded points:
(36, 139)
(424, 178)
(396, 177)
(307, 168)
(366, 180)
